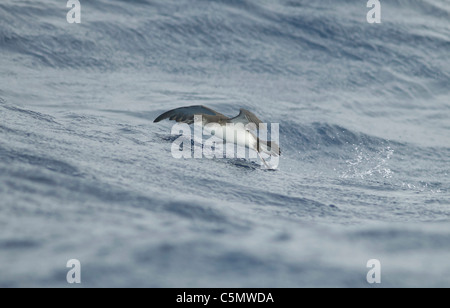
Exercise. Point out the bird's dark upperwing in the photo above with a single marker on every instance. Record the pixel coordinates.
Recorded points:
(186, 114)
(245, 117)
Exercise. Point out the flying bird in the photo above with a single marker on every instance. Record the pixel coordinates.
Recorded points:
(217, 122)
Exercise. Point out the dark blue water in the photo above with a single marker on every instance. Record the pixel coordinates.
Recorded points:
(364, 115)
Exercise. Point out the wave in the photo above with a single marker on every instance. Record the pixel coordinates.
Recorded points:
(317, 136)
(241, 35)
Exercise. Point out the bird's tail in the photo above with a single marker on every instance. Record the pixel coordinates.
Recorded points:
(269, 147)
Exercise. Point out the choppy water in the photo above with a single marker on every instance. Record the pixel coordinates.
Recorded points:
(364, 115)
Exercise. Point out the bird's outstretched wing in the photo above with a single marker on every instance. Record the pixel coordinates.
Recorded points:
(245, 117)
(186, 114)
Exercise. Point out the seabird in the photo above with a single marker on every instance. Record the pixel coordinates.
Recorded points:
(217, 122)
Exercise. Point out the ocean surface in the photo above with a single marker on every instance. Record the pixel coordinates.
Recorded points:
(364, 115)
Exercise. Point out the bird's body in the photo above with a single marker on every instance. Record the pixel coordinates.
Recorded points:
(234, 133)
(238, 130)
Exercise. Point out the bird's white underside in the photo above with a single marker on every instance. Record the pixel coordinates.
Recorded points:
(233, 133)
